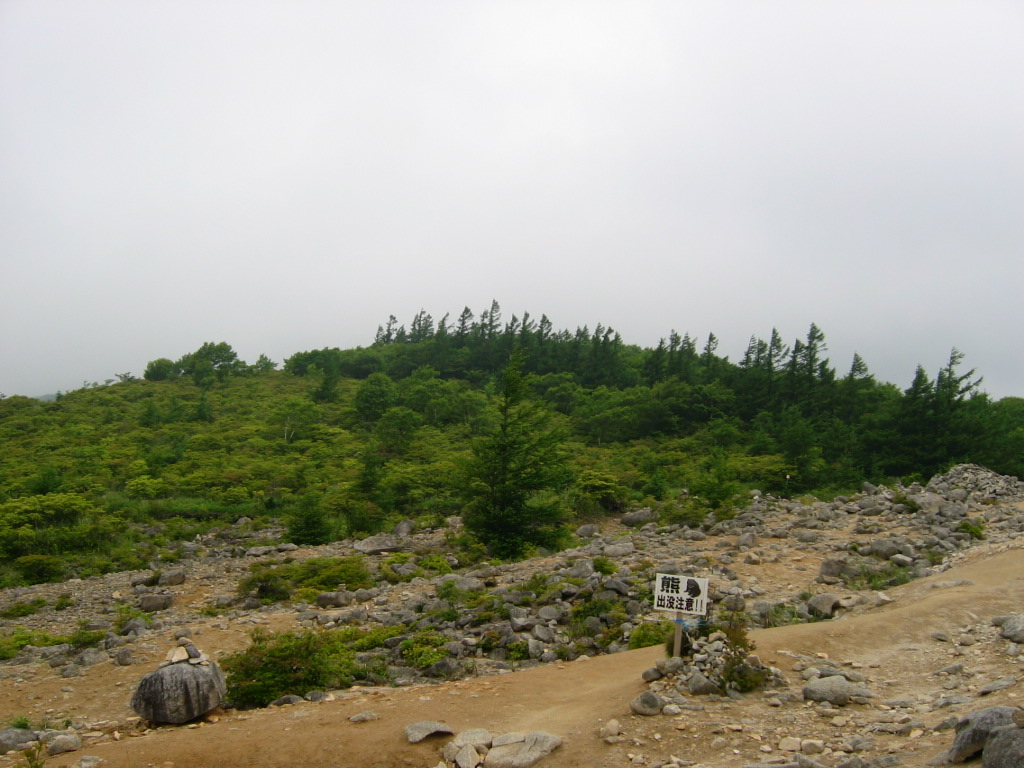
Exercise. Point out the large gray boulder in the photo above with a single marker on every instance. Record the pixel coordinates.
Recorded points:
(1013, 629)
(823, 605)
(1004, 749)
(638, 517)
(59, 742)
(973, 731)
(648, 704)
(155, 602)
(15, 738)
(836, 690)
(379, 543)
(179, 692)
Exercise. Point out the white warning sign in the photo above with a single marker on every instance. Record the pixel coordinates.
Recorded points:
(684, 594)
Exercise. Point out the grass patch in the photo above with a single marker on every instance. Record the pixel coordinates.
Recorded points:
(878, 579)
(12, 642)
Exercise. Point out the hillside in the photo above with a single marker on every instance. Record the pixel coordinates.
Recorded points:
(927, 650)
(344, 443)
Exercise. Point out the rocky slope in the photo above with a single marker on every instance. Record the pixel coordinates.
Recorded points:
(881, 683)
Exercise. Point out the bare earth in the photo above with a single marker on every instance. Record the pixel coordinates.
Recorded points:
(892, 644)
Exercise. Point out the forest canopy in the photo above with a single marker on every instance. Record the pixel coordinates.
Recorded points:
(343, 442)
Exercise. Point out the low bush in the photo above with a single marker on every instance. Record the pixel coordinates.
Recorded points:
(423, 649)
(276, 665)
(651, 633)
(737, 673)
(12, 642)
(20, 609)
(273, 583)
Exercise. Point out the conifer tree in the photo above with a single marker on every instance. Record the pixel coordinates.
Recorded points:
(514, 474)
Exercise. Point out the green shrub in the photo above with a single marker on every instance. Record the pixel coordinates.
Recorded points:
(40, 569)
(64, 601)
(518, 650)
(604, 566)
(780, 615)
(12, 642)
(880, 578)
(737, 674)
(266, 584)
(435, 563)
(126, 613)
(592, 607)
(974, 528)
(276, 665)
(20, 609)
(34, 756)
(423, 649)
(651, 633)
(85, 638)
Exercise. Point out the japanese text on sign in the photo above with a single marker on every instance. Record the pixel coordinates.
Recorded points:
(684, 594)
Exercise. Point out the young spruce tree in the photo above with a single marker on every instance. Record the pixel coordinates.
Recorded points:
(515, 473)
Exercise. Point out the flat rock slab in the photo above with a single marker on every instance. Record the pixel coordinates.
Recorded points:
(521, 750)
(419, 731)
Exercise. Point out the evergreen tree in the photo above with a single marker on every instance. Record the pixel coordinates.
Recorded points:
(514, 472)
(308, 524)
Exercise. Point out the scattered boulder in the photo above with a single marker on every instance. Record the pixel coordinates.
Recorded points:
(639, 517)
(381, 542)
(973, 731)
(836, 690)
(823, 605)
(178, 693)
(1004, 749)
(15, 738)
(647, 703)
(1013, 629)
(59, 742)
(155, 602)
(171, 578)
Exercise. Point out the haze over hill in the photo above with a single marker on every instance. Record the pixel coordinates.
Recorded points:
(281, 176)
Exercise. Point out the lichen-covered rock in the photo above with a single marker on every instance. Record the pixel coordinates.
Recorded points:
(179, 692)
(1004, 749)
(973, 731)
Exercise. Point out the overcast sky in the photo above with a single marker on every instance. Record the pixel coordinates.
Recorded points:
(283, 176)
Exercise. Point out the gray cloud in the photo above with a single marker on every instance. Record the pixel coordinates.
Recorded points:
(285, 176)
